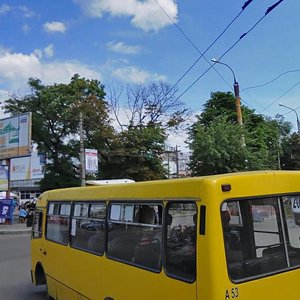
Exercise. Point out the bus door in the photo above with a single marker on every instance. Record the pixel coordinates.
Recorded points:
(37, 237)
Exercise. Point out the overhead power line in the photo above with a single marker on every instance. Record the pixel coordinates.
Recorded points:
(264, 84)
(202, 54)
(229, 49)
(287, 91)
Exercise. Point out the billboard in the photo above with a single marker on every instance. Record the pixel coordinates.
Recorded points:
(91, 160)
(27, 168)
(15, 136)
(6, 209)
(3, 178)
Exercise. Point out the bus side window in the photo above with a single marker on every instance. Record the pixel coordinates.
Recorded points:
(88, 227)
(181, 240)
(134, 234)
(255, 246)
(57, 228)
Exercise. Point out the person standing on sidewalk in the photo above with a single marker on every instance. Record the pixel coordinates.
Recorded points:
(22, 214)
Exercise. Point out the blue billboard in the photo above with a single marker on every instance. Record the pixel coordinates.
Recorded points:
(6, 209)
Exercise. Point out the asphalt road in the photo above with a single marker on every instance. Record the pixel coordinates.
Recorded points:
(15, 280)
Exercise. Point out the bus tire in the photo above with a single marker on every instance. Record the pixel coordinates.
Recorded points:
(40, 277)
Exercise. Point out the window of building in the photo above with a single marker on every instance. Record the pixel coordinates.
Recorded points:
(27, 195)
(88, 227)
(135, 234)
(181, 221)
(58, 215)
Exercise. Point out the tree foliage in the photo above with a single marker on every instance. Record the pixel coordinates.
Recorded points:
(216, 140)
(290, 158)
(55, 115)
(217, 148)
(144, 122)
(136, 153)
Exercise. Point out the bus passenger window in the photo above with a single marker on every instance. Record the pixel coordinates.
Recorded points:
(292, 217)
(57, 228)
(88, 227)
(181, 221)
(134, 234)
(255, 245)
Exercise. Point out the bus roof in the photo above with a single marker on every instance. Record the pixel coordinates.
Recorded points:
(224, 186)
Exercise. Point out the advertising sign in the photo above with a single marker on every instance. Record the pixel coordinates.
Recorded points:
(3, 178)
(91, 161)
(15, 136)
(25, 168)
(6, 208)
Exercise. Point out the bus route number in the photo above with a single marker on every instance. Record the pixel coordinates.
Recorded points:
(232, 293)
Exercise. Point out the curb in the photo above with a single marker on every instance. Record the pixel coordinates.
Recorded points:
(3, 232)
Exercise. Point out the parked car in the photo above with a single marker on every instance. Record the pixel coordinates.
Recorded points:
(93, 225)
(257, 216)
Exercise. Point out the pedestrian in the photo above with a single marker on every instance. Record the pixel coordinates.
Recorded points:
(29, 218)
(22, 215)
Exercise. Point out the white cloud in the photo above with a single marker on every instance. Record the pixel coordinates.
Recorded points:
(61, 72)
(17, 68)
(27, 13)
(25, 28)
(55, 27)
(147, 14)
(17, 65)
(121, 47)
(4, 8)
(38, 53)
(49, 51)
(135, 75)
(3, 94)
(3, 50)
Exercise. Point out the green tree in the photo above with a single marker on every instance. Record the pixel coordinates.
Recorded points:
(217, 148)
(290, 158)
(152, 110)
(55, 114)
(136, 154)
(220, 137)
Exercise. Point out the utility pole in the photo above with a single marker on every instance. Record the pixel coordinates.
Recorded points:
(82, 154)
(238, 102)
(297, 118)
(236, 89)
(177, 162)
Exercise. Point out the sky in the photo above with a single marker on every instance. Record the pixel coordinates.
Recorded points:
(141, 41)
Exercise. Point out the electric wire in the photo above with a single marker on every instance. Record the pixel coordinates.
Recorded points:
(202, 54)
(264, 84)
(229, 49)
(287, 91)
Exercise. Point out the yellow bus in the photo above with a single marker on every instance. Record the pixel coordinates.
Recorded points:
(219, 237)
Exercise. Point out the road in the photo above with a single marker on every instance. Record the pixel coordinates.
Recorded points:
(15, 280)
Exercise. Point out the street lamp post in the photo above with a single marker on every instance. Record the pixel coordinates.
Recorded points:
(294, 110)
(236, 93)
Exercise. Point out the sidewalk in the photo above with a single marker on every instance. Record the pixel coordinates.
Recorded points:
(15, 227)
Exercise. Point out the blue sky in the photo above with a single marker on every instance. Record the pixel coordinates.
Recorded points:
(134, 41)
